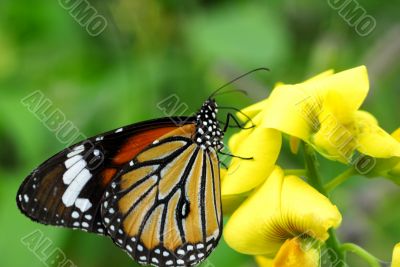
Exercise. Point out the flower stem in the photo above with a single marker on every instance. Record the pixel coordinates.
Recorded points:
(336, 254)
(339, 179)
(311, 168)
(297, 172)
(362, 253)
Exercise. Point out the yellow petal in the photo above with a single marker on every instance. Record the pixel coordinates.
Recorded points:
(321, 76)
(373, 140)
(316, 214)
(290, 110)
(239, 137)
(251, 111)
(293, 254)
(396, 256)
(272, 214)
(345, 92)
(294, 109)
(263, 146)
(264, 261)
(396, 134)
(334, 140)
(222, 173)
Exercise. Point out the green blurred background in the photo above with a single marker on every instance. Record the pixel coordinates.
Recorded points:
(152, 49)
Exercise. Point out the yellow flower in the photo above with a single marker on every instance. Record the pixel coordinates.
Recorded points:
(324, 112)
(396, 256)
(281, 209)
(263, 146)
(294, 252)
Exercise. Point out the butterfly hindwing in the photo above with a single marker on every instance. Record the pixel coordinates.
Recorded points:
(164, 207)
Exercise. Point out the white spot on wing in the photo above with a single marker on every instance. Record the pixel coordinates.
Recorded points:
(119, 130)
(76, 151)
(72, 172)
(83, 204)
(75, 188)
(71, 161)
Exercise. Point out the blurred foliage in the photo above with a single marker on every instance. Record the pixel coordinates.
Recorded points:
(152, 49)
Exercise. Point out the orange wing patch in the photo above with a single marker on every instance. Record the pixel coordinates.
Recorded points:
(108, 174)
(194, 233)
(136, 217)
(130, 178)
(212, 220)
(172, 237)
(128, 200)
(138, 142)
(172, 173)
(217, 185)
(160, 151)
(151, 232)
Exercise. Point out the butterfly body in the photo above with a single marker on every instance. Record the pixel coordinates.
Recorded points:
(153, 187)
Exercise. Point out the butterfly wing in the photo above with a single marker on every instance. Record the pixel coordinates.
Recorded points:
(164, 207)
(67, 188)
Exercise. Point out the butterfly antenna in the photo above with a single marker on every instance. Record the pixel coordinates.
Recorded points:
(237, 78)
(232, 91)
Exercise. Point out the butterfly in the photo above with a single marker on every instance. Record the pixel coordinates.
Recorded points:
(153, 187)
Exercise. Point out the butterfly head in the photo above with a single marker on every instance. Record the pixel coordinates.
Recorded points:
(208, 131)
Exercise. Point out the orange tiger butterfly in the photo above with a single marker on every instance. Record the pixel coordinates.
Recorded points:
(153, 187)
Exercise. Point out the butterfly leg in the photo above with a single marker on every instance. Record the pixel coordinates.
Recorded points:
(234, 156)
(237, 124)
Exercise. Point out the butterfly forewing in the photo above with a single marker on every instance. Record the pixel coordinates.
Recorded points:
(164, 207)
(66, 189)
